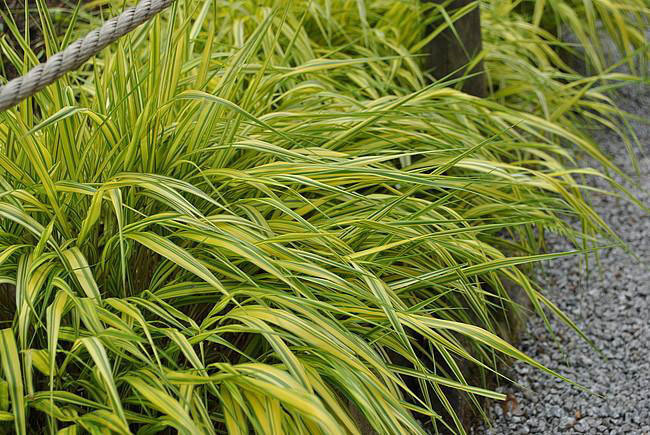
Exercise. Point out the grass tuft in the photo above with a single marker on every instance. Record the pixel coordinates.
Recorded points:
(261, 216)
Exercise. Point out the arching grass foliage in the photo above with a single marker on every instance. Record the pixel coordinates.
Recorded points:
(264, 216)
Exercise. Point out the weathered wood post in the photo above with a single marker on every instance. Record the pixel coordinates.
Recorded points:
(448, 53)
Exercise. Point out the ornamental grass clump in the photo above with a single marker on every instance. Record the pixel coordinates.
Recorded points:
(264, 216)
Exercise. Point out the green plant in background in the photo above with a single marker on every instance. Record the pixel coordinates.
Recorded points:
(554, 90)
(587, 21)
(259, 216)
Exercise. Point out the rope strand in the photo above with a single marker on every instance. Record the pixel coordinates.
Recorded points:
(77, 53)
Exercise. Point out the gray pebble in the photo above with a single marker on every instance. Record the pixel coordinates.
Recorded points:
(566, 422)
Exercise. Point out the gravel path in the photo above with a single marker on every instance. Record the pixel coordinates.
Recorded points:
(612, 308)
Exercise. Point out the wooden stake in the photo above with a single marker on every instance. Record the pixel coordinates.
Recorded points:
(448, 54)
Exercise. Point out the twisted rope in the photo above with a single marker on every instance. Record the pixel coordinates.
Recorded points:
(77, 53)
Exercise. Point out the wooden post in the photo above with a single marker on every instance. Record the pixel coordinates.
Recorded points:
(447, 54)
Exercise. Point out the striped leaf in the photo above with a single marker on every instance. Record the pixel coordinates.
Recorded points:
(100, 358)
(78, 266)
(14, 378)
(166, 404)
